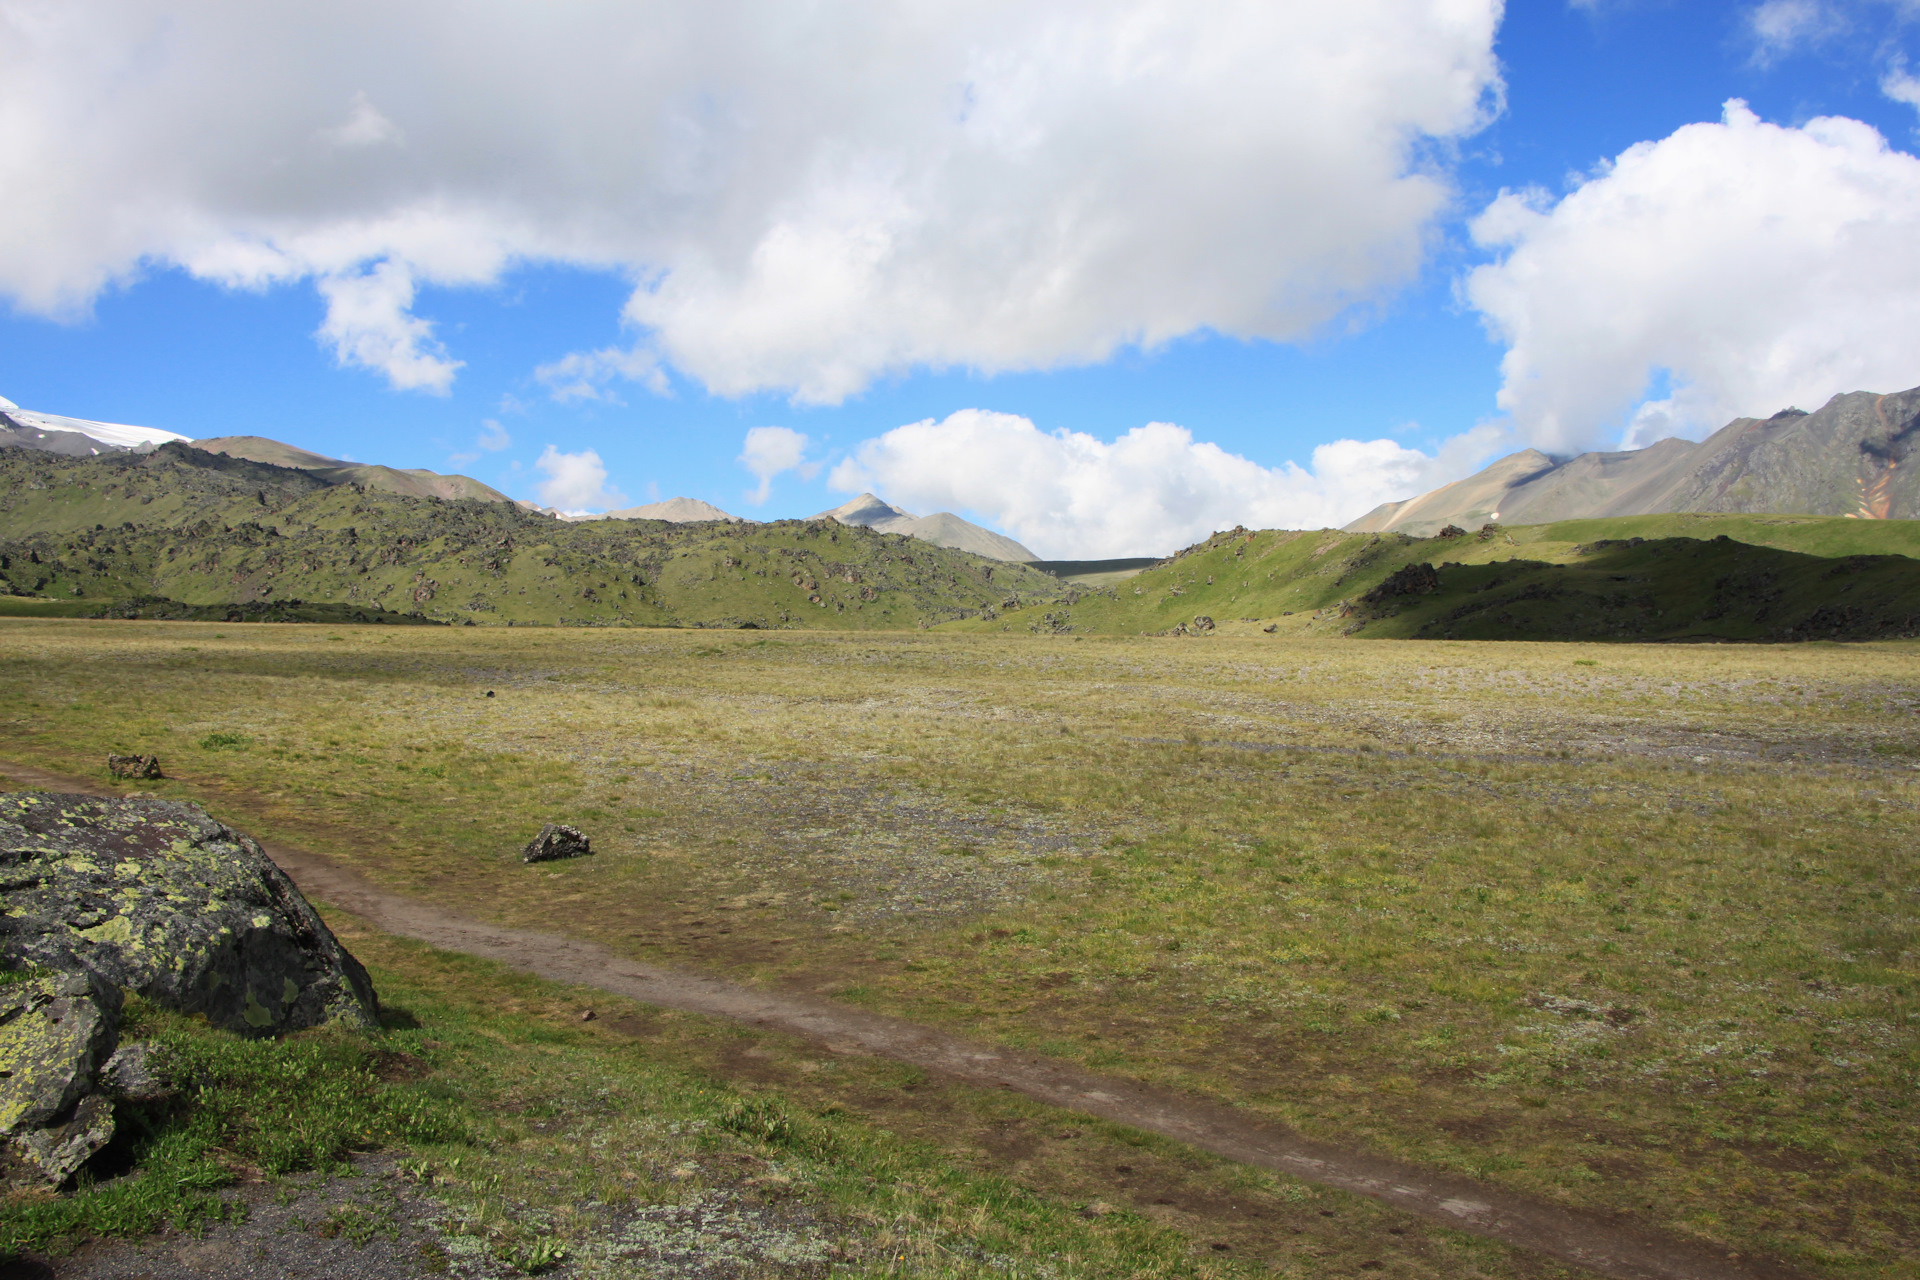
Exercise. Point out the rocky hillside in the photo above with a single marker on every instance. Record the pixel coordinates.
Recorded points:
(1641, 578)
(1851, 458)
(213, 531)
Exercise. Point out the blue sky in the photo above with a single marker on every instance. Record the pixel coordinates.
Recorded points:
(160, 337)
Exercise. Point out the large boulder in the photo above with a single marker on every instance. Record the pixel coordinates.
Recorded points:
(156, 897)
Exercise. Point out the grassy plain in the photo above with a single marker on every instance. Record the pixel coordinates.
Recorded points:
(1628, 927)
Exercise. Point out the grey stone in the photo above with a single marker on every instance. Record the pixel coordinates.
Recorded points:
(55, 1030)
(554, 842)
(141, 768)
(155, 897)
(59, 1150)
(132, 1074)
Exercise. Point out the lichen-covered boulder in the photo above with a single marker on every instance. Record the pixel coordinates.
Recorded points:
(156, 897)
(56, 1032)
(556, 841)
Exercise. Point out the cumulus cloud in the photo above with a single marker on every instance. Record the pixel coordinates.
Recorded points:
(769, 451)
(1748, 265)
(576, 483)
(806, 196)
(1069, 495)
(369, 324)
(493, 436)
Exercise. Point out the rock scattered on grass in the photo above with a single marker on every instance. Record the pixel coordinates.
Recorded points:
(556, 841)
(138, 768)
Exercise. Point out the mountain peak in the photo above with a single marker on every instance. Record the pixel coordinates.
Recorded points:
(867, 509)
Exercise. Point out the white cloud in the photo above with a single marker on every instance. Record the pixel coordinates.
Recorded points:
(1755, 266)
(493, 436)
(576, 483)
(1782, 27)
(1069, 495)
(586, 375)
(369, 324)
(768, 451)
(363, 127)
(1901, 85)
(806, 196)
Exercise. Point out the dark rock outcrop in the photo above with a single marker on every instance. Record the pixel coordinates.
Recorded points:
(554, 842)
(1411, 580)
(158, 898)
(140, 768)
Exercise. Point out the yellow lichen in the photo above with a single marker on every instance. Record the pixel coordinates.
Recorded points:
(117, 929)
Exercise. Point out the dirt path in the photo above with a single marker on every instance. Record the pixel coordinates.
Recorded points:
(1608, 1247)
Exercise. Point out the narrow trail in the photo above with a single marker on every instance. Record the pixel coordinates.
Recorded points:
(1608, 1247)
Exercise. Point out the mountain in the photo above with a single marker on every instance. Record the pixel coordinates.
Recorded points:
(74, 437)
(181, 531)
(674, 511)
(1640, 578)
(1850, 458)
(943, 528)
(413, 483)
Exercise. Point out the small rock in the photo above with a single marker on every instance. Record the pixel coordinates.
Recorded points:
(1271, 627)
(59, 1150)
(140, 768)
(131, 1074)
(1202, 623)
(489, 693)
(588, 1015)
(556, 841)
(1096, 1209)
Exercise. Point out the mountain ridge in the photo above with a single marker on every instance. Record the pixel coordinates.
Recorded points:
(1851, 457)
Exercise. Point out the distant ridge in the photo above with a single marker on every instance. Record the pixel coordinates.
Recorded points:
(1853, 457)
(677, 510)
(943, 528)
(411, 483)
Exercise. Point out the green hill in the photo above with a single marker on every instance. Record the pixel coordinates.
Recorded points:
(1636, 577)
(184, 527)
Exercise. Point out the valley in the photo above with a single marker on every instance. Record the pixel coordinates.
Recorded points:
(1532, 914)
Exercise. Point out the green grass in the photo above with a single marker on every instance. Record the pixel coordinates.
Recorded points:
(275, 1107)
(535, 1130)
(1628, 927)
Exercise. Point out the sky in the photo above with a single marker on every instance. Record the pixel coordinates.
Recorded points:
(1103, 275)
